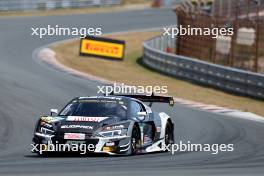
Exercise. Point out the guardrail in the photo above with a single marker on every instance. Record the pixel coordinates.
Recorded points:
(24, 5)
(217, 76)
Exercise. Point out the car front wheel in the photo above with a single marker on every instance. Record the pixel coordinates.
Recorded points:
(135, 140)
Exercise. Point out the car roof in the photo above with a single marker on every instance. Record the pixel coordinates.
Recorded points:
(111, 97)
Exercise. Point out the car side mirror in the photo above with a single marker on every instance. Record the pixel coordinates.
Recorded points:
(53, 111)
(141, 115)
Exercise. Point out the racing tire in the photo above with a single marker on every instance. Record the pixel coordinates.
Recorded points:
(169, 133)
(135, 140)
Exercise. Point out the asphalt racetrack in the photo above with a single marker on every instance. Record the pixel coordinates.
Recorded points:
(29, 89)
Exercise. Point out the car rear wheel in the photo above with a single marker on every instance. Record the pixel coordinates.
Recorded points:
(169, 136)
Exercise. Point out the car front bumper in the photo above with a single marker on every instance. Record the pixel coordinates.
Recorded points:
(109, 145)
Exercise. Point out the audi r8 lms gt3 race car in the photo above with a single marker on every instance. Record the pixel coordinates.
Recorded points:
(123, 125)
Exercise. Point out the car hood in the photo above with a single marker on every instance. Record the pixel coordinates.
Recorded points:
(73, 124)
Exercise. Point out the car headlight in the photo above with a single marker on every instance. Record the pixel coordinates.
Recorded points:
(45, 124)
(113, 133)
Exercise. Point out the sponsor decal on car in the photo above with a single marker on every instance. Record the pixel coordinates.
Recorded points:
(79, 136)
(114, 127)
(86, 119)
(77, 126)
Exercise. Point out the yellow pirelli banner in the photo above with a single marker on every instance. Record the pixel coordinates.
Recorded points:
(102, 47)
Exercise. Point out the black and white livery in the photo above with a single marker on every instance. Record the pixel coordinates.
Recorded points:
(116, 125)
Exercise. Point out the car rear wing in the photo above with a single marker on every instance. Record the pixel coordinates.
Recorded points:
(150, 98)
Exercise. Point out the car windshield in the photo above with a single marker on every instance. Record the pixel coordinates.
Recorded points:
(95, 108)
